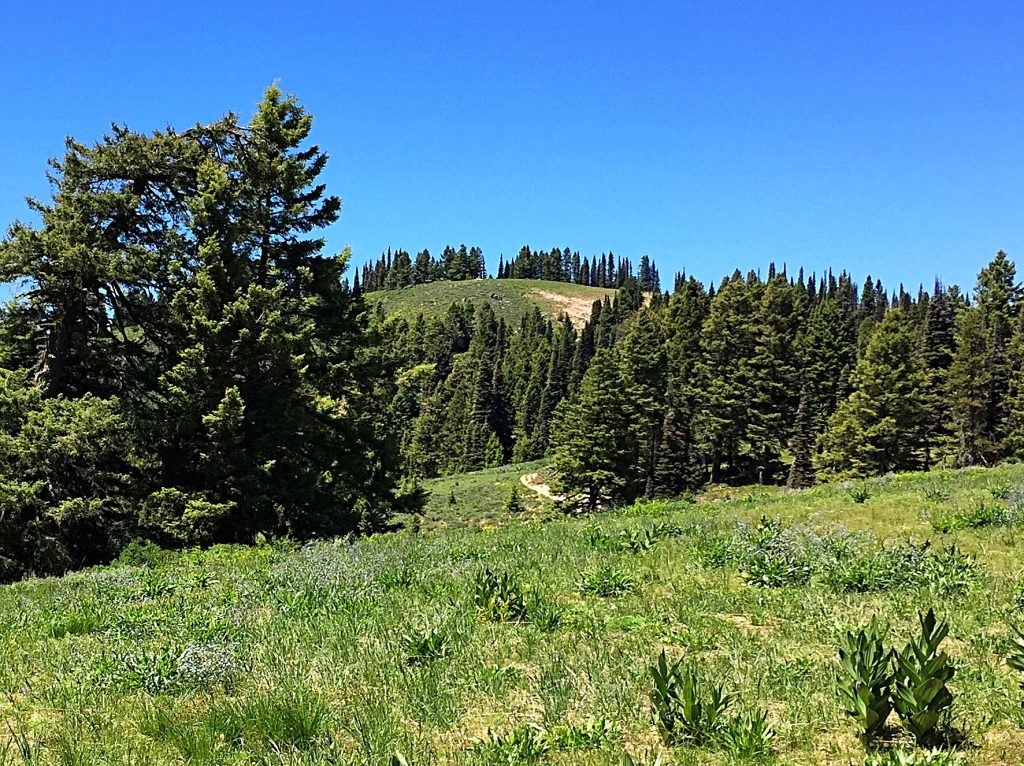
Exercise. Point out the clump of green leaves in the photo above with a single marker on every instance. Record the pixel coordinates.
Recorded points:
(424, 644)
(874, 680)
(524, 745)
(607, 581)
(498, 597)
(914, 758)
(980, 515)
(593, 734)
(1001, 490)
(688, 709)
(921, 692)
(628, 760)
(1015, 652)
(748, 735)
(865, 680)
(859, 493)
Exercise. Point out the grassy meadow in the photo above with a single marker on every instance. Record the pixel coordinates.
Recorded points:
(511, 299)
(529, 638)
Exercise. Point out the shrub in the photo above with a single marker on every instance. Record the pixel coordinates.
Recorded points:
(686, 712)
(865, 680)
(921, 695)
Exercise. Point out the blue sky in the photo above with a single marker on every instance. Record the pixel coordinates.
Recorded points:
(882, 137)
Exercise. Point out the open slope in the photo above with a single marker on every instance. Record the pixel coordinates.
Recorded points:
(511, 298)
(343, 653)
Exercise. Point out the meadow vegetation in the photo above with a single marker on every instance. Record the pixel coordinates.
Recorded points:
(665, 632)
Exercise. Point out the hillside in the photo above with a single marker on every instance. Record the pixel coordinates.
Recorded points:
(346, 652)
(511, 298)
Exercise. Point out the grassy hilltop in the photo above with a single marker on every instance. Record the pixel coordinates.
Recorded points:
(510, 298)
(347, 653)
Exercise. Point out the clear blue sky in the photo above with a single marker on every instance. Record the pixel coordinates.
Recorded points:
(708, 135)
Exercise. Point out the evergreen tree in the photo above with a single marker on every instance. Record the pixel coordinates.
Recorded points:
(591, 460)
(801, 446)
(644, 379)
(882, 425)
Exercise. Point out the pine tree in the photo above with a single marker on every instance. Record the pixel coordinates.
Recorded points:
(592, 457)
(801, 446)
(644, 379)
(881, 426)
(774, 383)
(727, 347)
(969, 389)
(936, 352)
(679, 466)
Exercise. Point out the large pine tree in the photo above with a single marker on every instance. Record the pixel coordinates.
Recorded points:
(591, 456)
(882, 425)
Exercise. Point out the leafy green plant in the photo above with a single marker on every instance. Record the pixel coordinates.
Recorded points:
(980, 515)
(948, 572)
(421, 645)
(748, 735)
(524, 745)
(860, 493)
(937, 492)
(593, 734)
(607, 581)
(543, 613)
(772, 556)
(914, 758)
(685, 711)
(499, 598)
(1015, 652)
(920, 693)
(776, 569)
(1001, 490)
(865, 680)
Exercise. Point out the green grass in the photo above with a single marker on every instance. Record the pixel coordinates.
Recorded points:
(478, 499)
(350, 652)
(510, 298)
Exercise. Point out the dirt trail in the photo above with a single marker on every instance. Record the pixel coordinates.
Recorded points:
(533, 482)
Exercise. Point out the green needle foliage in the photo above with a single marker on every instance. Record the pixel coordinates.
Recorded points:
(865, 680)
(921, 693)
